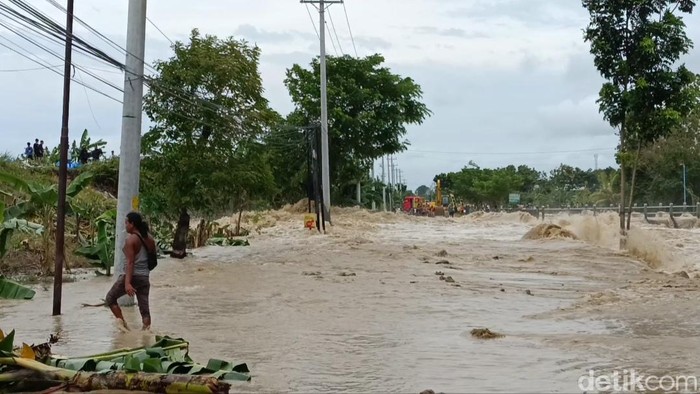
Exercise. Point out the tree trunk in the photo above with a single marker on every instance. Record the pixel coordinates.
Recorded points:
(623, 233)
(181, 232)
(238, 223)
(634, 177)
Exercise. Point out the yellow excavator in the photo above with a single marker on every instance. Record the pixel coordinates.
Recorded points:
(438, 208)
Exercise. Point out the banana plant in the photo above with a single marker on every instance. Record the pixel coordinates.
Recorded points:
(101, 250)
(40, 202)
(85, 143)
(8, 227)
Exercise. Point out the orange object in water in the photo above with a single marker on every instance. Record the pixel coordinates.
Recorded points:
(310, 221)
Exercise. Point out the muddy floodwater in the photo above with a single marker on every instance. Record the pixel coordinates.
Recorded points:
(386, 303)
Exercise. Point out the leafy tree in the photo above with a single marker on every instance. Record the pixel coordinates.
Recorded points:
(423, 191)
(289, 158)
(636, 44)
(208, 111)
(369, 108)
(661, 168)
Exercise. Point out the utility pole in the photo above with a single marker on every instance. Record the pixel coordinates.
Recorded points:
(383, 186)
(595, 156)
(130, 150)
(391, 183)
(685, 189)
(371, 176)
(63, 167)
(325, 162)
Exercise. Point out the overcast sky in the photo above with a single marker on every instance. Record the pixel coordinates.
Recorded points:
(508, 81)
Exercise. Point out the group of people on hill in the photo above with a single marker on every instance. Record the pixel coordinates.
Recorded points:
(36, 151)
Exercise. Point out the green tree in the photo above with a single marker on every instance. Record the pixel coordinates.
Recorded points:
(661, 168)
(369, 108)
(636, 44)
(423, 191)
(208, 111)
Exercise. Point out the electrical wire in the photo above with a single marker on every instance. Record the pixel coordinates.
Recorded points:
(87, 98)
(312, 20)
(160, 31)
(330, 16)
(19, 70)
(508, 153)
(328, 29)
(48, 67)
(350, 29)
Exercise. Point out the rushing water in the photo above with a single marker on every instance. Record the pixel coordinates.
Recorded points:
(362, 309)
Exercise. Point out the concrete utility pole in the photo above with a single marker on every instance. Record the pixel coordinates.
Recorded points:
(383, 185)
(391, 182)
(371, 176)
(325, 162)
(63, 168)
(130, 150)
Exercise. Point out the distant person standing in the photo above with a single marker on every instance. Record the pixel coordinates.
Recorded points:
(36, 149)
(41, 148)
(29, 151)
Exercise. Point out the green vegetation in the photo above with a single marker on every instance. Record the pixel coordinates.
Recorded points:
(659, 178)
(636, 45)
(217, 148)
(163, 367)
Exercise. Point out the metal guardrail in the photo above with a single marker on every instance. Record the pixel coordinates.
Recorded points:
(646, 209)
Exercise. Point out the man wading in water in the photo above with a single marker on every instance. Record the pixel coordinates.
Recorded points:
(135, 280)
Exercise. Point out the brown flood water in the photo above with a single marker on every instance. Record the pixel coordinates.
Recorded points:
(362, 309)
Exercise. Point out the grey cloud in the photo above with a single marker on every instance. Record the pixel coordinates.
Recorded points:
(531, 12)
(372, 42)
(289, 58)
(448, 32)
(491, 113)
(252, 33)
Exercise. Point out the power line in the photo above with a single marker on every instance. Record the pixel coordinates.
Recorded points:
(328, 29)
(48, 67)
(30, 40)
(87, 97)
(330, 16)
(312, 21)
(509, 153)
(161, 31)
(349, 29)
(18, 70)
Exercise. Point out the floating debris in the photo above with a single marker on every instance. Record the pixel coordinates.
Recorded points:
(548, 231)
(485, 333)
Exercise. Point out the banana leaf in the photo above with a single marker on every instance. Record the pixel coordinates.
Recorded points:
(142, 369)
(8, 227)
(14, 291)
(168, 355)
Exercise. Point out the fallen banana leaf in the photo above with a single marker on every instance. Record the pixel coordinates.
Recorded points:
(106, 380)
(164, 367)
(167, 355)
(14, 291)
